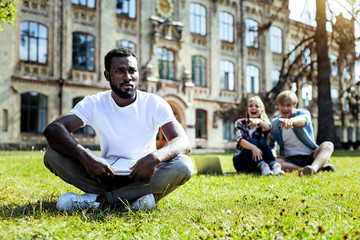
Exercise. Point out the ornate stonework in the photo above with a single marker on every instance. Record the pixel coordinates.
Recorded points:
(37, 7)
(83, 15)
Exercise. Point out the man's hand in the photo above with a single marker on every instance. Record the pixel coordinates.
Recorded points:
(99, 169)
(256, 154)
(286, 123)
(144, 168)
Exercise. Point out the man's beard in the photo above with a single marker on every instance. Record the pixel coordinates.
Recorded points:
(123, 94)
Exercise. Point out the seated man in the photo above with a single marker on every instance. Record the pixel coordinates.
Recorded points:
(293, 132)
(127, 121)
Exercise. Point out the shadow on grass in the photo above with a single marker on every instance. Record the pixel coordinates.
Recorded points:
(46, 207)
(35, 210)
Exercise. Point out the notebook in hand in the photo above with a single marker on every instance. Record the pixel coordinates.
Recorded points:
(121, 165)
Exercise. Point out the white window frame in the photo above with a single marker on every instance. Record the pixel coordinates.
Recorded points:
(275, 39)
(227, 75)
(197, 19)
(252, 79)
(226, 26)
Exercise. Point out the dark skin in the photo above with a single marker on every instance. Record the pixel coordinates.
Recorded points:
(123, 75)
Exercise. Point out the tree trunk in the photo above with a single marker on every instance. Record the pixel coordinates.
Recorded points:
(326, 128)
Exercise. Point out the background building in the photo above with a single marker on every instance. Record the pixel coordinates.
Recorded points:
(199, 55)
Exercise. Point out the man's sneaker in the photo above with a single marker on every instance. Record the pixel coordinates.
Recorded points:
(328, 167)
(276, 168)
(265, 169)
(71, 201)
(307, 170)
(146, 202)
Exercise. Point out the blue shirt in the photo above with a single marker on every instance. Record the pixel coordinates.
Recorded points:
(304, 134)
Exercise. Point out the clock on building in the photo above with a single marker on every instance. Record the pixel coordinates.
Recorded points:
(165, 8)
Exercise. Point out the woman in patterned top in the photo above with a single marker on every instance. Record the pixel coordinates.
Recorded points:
(253, 153)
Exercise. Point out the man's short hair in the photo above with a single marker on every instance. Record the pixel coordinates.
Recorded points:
(287, 95)
(117, 52)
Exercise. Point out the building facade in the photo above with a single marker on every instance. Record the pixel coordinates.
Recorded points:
(196, 54)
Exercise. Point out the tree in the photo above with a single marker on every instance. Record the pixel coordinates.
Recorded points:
(326, 127)
(7, 12)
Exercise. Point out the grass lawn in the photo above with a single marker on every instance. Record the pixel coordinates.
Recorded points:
(239, 206)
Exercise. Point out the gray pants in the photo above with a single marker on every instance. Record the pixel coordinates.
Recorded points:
(168, 176)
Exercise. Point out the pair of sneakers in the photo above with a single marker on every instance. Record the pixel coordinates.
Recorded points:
(275, 169)
(71, 201)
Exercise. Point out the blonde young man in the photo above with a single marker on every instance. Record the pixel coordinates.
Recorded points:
(293, 131)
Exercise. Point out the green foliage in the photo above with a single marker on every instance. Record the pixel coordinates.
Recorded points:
(235, 206)
(7, 12)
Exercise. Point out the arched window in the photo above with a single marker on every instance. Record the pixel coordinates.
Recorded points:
(83, 51)
(125, 44)
(201, 124)
(198, 70)
(275, 39)
(227, 75)
(33, 42)
(33, 112)
(197, 19)
(166, 63)
(87, 129)
(226, 26)
(251, 36)
(252, 79)
(126, 8)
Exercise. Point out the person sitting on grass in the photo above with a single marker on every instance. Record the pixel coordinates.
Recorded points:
(254, 154)
(127, 121)
(293, 131)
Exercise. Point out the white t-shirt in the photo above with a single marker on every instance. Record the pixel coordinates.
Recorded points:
(292, 145)
(127, 132)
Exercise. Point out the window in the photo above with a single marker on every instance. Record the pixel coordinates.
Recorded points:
(333, 65)
(83, 51)
(228, 130)
(166, 63)
(306, 60)
(252, 79)
(335, 98)
(33, 42)
(86, 3)
(251, 36)
(275, 76)
(198, 70)
(306, 94)
(226, 27)
(346, 72)
(227, 75)
(292, 53)
(201, 124)
(126, 44)
(350, 134)
(126, 8)
(197, 19)
(33, 112)
(86, 130)
(275, 39)
(337, 132)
